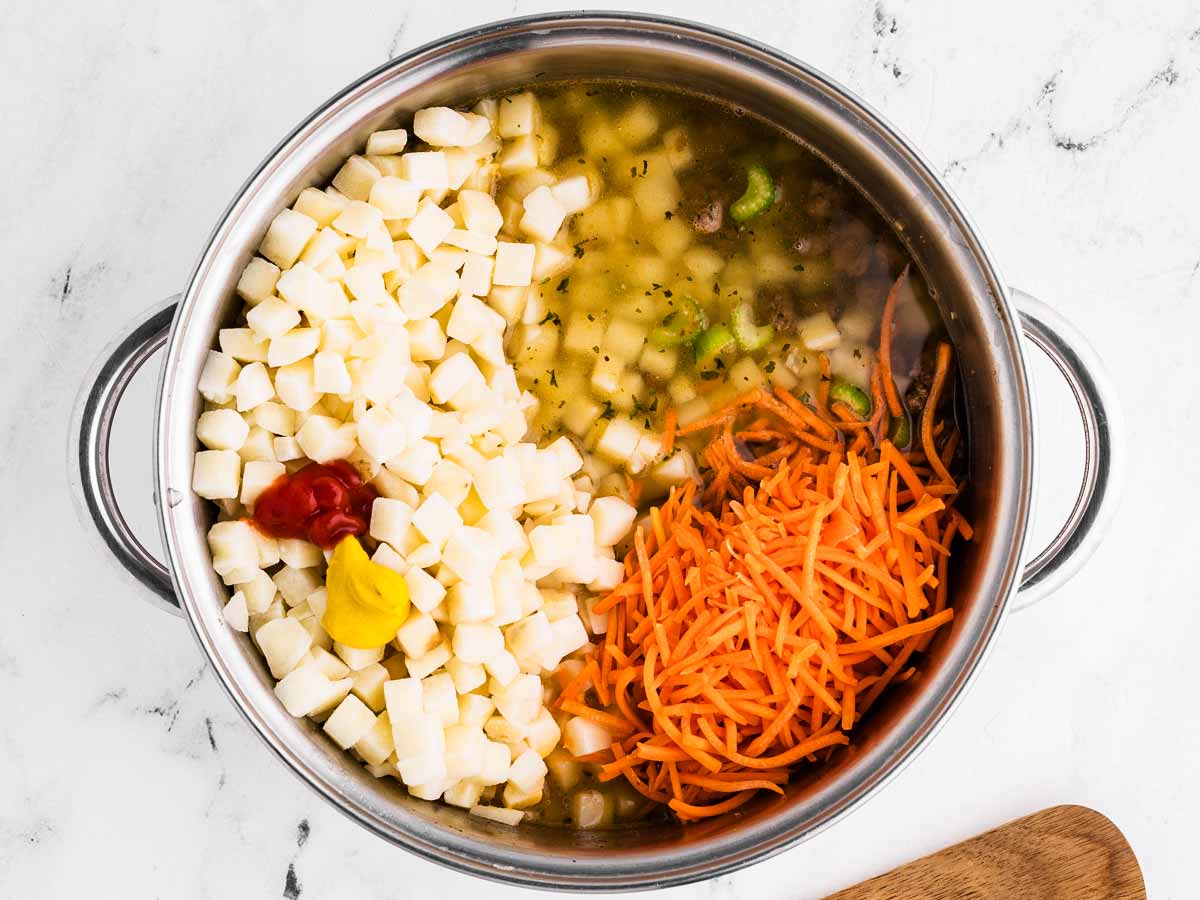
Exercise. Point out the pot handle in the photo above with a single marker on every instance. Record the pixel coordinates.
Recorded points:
(1103, 434)
(111, 376)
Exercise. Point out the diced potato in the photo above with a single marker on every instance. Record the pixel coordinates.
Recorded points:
(519, 115)
(818, 333)
(286, 236)
(216, 474)
(355, 178)
(582, 737)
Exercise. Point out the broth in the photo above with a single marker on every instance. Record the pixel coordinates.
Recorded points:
(815, 268)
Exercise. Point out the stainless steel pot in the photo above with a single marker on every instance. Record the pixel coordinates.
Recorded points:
(975, 302)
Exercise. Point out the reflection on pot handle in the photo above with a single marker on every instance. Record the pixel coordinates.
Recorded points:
(1100, 409)
(91, 429)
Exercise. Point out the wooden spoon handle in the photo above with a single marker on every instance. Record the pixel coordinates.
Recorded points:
(1062, 853)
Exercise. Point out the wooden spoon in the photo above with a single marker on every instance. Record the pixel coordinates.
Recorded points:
(1062, 853)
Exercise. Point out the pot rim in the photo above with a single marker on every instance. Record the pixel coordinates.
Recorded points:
(709, 858)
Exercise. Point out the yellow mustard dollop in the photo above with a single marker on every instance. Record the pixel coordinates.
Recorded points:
(367, 601)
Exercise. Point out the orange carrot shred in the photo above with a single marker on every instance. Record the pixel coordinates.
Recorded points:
(760, 615)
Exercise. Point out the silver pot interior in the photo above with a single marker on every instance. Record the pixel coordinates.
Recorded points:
(907, 194)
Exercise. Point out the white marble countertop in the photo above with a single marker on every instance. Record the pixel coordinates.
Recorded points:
(1068, 130)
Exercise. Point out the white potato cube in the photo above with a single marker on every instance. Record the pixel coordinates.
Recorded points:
(218, 377)
(350, 722)
(276, 418)
(376, 745)
(430, 662)
(528, 640)
(439, 699)
(306, 691)
(216, 474)
(519, 156)
(619, 441)
(235, 614)
(297, 584)
(606, 575)
(381, 435)
(416, 463)
(356, 658)
(818, 332)
(543, 214)
(582, 737)
(428, 290)
(222, 429)
(368, 686)
(469, 602)
(467, 676)
(499, 814)
(514, 264)
(257, 281)
(426, 340)
(574, 194)
(472, 553)
(272, 318)
(499, 485)
(429, 227)
(355, 178)
(543, 734)
(452, 375)
(426, 170)
(324, 439)
(417, 735)
(503, 667)
(330, 375)
(479, 212)
(424, 591)
(259, 591)
(395, 198)
(528, 772)
(612, 518)
(295, 386)
(520, 700)
(418, 635)
(477, 642)
(286, 236)
(568, 635)
(519, 114)
(242, 344)
(404, 698)
(441, 126)
(436, 519)
(284, 643)
(256, 478)
(384, 143)
(253, 386)
(465, 793)
(390, 520)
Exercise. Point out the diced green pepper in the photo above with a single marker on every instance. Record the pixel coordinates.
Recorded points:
(750, 337)
(900, 431)
(712, 343)
(680, 326)
(852, 395)
(759, 195)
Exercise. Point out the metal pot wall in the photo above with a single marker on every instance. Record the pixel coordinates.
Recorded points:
(978, 309)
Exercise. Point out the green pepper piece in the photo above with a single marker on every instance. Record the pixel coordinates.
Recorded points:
(712, 343)
(852, 395)
(750, 337)
(900, 431)
(759, 195)
(680, 326)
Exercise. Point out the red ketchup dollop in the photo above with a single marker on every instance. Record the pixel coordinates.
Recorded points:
(322, 503)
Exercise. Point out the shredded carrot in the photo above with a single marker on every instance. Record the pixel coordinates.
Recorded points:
(670, 420)
(760, 616)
